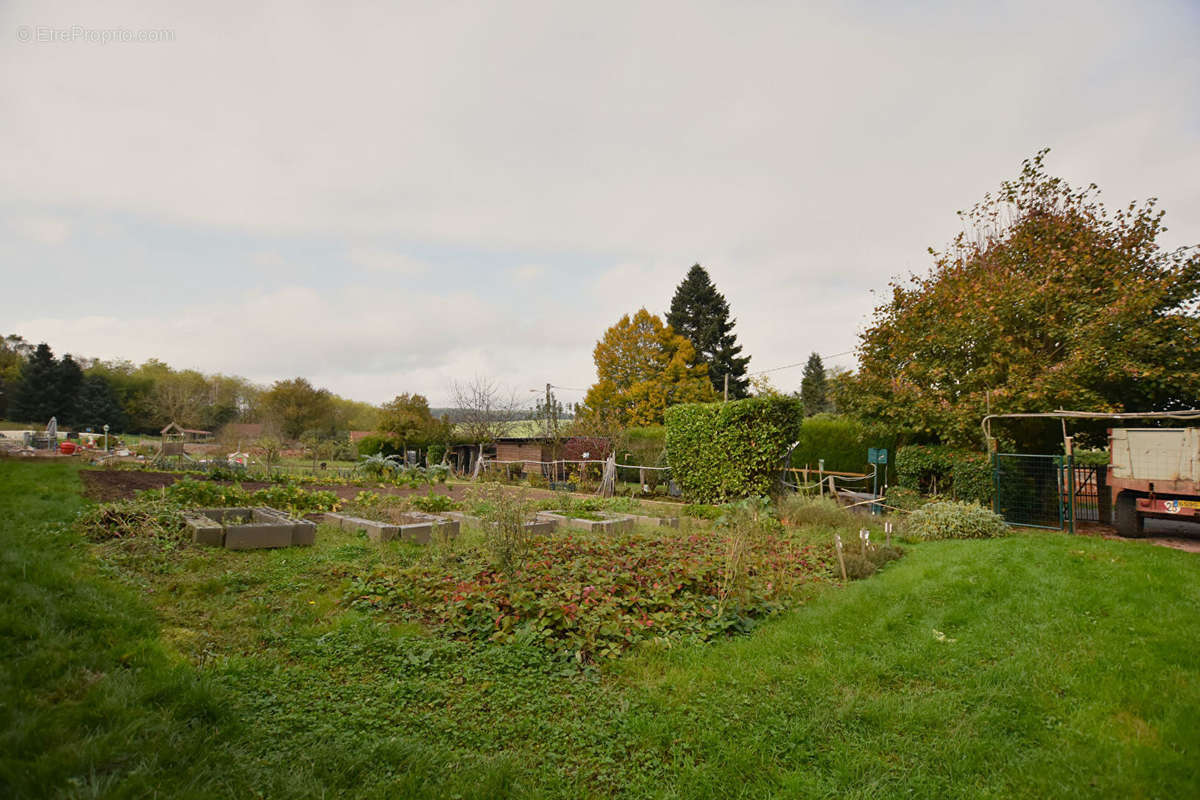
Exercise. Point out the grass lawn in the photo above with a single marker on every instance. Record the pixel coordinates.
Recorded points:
(1032, 666)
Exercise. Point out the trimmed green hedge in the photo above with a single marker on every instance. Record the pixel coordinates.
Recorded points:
(842, 442)
(728, 451)
(961, 474)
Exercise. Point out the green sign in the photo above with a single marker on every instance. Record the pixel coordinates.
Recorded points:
(877, 455)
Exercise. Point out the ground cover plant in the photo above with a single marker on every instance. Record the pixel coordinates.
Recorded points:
(1033, 665)
(590, 597)
(950, 520)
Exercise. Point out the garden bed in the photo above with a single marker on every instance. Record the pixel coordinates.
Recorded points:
(595, 522)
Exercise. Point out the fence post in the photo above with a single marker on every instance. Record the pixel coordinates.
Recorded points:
(1071, 481)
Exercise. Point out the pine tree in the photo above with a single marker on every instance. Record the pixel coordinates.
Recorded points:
(70, 380)
(36, 396)
(96, 405)
(700, 314)
(814, 388)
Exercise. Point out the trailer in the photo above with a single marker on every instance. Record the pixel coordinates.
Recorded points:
(1153, 473)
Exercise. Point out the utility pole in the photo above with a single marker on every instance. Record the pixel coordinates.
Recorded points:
(726, 387)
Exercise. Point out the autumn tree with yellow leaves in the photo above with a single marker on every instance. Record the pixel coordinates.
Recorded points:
(643, 366)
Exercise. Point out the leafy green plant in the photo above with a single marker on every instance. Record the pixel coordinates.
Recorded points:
(286, 497)
(432, 503)
(953, 520)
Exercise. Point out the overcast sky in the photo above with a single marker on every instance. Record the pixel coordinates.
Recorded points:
(385, 197)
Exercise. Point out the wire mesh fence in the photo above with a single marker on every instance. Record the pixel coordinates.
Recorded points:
(1030, 490)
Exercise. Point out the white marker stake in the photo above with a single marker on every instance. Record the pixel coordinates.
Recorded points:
(864, 539)
(887, 528)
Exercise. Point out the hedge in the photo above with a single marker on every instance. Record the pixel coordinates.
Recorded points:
(961, 474)
(842, 443)
(720, 452)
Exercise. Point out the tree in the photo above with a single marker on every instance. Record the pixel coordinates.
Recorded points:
(96, 405)
(700, 314)
(14, 351)
(295, 406)
(643, 366)
(1050, 302)
(407, 418)
(483, 410)
(70, 380)
(814, 390)
(36, 396)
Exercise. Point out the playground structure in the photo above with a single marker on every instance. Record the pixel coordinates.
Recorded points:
(171, 450)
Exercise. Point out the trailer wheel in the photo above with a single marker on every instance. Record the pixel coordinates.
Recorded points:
(1129, 522)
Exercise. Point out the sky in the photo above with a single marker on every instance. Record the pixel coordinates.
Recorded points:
(388, 197)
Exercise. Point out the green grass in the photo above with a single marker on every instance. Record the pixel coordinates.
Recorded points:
(1032, 666)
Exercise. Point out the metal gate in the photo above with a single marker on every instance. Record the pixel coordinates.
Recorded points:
(1034, 491)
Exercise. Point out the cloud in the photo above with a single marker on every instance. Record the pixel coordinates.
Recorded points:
(527, 273)
(43, 230)
(535, 170)
(380, 260)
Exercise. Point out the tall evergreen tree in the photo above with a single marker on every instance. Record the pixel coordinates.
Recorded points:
(96, 405)
(700, 314)
(70, 380)
(814, 387)
(36, 396)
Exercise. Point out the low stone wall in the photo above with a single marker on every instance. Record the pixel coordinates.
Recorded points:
(248, 528)
(413, 526)
(608, 523)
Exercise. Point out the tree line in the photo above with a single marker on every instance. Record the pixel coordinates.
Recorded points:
(36, 385)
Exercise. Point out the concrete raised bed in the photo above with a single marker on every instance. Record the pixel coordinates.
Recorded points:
(662, 522)
(412, 526)
(608, 523)
(536, 526)
(248, 528)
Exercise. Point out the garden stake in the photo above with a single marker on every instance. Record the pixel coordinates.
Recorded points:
(864, 538)
(887, 528)
(837, 540)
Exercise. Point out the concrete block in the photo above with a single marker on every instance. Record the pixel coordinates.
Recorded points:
(608, 523)
(258, 536)
(304, 534)
(663, 522)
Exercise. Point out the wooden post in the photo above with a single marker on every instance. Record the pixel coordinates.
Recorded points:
(837, 541)
(727, 387)
(887, 528)
(832, 488)
(864, 538)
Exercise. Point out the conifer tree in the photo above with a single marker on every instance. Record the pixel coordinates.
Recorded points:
(70, 380)
(814, 388)
(36, 396)
(700, 314)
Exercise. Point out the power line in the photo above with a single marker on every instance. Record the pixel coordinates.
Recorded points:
(797, 364)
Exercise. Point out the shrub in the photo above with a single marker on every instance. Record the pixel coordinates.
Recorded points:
(962, 474)
(903, 498)
(859, 566)
(727, 451)
(806, 510)
(504, 514)
(951, 520)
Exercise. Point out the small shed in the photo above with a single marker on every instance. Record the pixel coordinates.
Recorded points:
(181, 434)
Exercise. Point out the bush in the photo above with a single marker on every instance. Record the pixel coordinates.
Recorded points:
(504, 515)
(805, 510)
(936, 469)
(949, 520)
(858, 566)
(903, 498)
(720, 452)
